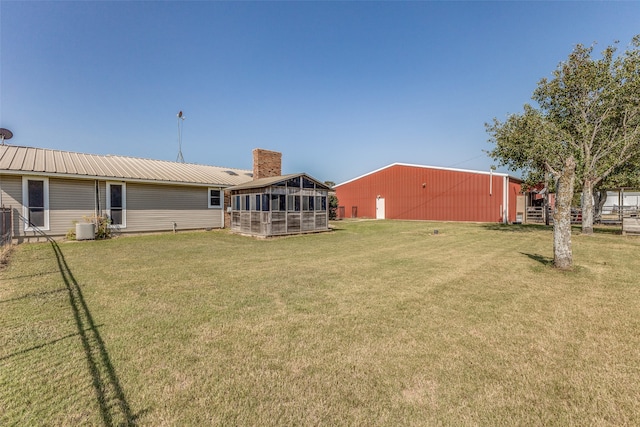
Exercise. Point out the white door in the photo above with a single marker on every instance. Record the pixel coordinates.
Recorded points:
(380, 208)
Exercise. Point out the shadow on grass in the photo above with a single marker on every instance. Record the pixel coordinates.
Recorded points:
(517, 228)
(539, 258)
(33, 295)
(600, 229)
(525, 228)
(114, 408)
(37, 347)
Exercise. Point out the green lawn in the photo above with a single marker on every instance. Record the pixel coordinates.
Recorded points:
(376, 323)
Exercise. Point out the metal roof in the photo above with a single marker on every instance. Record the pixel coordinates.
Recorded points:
(266, 182)
(40, 161)
(430, 167)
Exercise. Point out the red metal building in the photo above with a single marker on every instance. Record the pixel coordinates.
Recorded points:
(404, 191)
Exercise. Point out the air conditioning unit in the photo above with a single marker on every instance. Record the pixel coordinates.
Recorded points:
(85, 231)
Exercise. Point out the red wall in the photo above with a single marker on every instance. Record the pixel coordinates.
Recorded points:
(422, 193)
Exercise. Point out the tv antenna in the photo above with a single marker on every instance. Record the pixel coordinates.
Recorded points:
(4, 135)
(181, 118)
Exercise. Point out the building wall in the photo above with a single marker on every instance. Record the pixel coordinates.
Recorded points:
(11, 196)
(420, 193)
(515, 189)
(70, 201)
(149, 207)
(153, 207)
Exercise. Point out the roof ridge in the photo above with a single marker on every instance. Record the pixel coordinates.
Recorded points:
(123, 157)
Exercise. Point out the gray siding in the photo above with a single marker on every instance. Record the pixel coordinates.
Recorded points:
(11, 189)
(70, 201)
(149, 207)
(158, 207)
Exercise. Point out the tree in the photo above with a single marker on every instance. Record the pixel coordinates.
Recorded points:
(532, 143)
(596, 102)
(333, 201)
(586, 127)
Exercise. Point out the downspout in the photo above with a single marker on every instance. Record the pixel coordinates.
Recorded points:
(223, 198)
(490, 181)
(97, 201)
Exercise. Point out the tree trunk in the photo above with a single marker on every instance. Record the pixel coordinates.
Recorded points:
(562, 254)
(546, 198)
(587, 207)
(599, 199)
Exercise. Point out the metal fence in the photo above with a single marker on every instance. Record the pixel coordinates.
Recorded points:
(610, 214)
(5, 226)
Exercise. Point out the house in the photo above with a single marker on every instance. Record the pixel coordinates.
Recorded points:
(416, 192)
(273, 204)
(50, 190)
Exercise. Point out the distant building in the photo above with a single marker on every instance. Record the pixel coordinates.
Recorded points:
(416, 192)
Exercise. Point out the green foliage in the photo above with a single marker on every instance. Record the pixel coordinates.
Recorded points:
(71, 234)
(589, 109)
(333, 206)
(588, 112)
(333, 202)
(103, 231)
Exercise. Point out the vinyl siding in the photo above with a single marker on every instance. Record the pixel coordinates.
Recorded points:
(70, 201)
(149, 207)
(158, 207)
(11, 188)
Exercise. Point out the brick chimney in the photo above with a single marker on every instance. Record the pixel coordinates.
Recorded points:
(266, 163)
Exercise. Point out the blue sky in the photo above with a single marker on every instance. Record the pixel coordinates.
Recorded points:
(340, 88)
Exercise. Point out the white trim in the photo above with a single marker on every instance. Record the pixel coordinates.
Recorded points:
(111, 178)
(426, 167)
(25, 201)
(124, 203)
(220, 206)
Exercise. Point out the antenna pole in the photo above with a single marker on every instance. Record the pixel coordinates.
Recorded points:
(181, 118)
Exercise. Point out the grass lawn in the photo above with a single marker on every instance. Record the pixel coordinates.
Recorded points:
(376, 323)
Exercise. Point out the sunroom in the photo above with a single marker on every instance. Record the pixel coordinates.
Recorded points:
(280, 205)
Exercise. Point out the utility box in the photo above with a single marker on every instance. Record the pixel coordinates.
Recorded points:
(85, 231)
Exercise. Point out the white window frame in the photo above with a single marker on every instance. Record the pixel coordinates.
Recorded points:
(25, 201)
(209, 198)
(124, 203)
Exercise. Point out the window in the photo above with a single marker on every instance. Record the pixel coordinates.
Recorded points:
(35, 195)
(307, 183)
(293, 203)
(294, 182)
(215, 198)
(278, 202)
(116, 203)
(307, 203)
(265, 202)
(236, 203)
